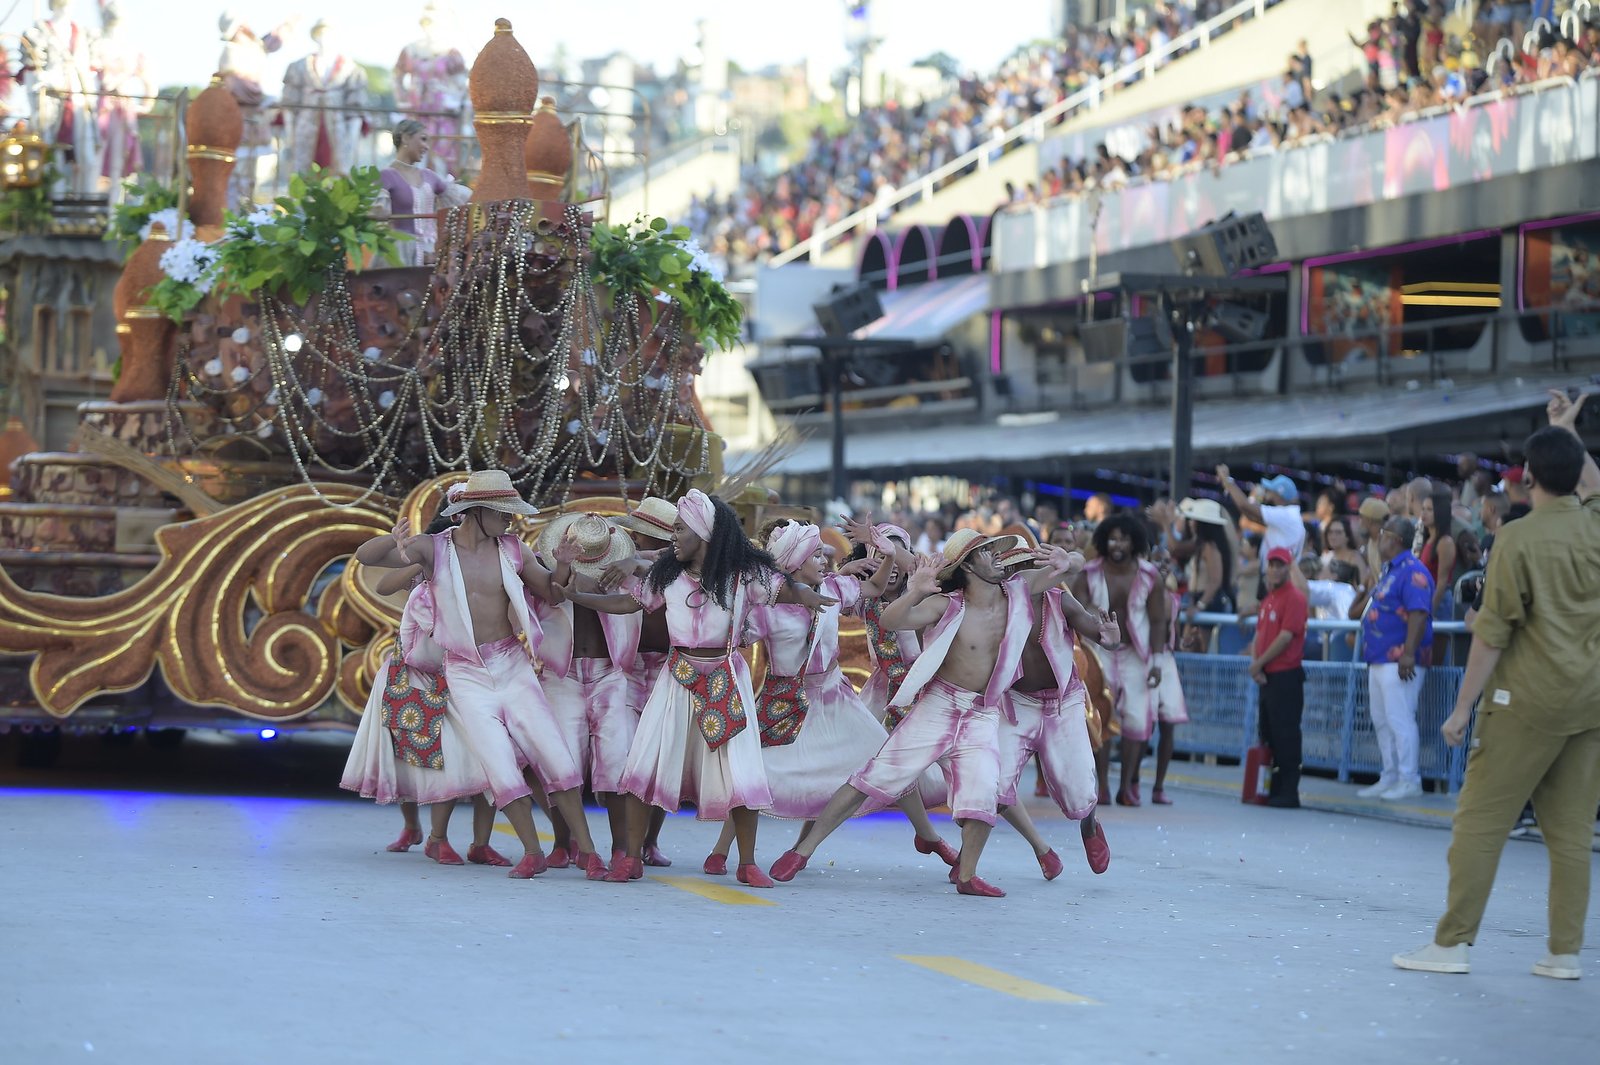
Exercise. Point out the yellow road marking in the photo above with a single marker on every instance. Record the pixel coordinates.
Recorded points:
(983, 976)
(544, 837)
(715, 892)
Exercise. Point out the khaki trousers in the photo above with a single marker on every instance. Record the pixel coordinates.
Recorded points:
(1509, 764)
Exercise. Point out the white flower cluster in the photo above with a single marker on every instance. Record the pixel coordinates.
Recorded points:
(168, 217)
(250, 225)
(701, 261)
(193, 262)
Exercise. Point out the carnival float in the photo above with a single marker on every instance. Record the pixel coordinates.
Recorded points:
(284, 393)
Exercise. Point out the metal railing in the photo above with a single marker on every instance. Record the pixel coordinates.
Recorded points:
(1032, 128)
(1419, 355)
(1336, 726)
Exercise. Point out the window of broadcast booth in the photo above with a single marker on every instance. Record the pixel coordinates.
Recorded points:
(1558, 278)
(1402, 301)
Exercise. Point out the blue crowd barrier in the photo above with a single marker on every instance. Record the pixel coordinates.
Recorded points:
(1336, 726)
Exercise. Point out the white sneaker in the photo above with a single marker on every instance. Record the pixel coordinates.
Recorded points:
(1559, 967)
(1435, 959)
(1402, 791)
(1372, 791)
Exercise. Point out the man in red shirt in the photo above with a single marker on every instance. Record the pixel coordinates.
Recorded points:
(1275, 666)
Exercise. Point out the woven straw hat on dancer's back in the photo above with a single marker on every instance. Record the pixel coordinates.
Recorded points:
(966, 541)
(599, 542)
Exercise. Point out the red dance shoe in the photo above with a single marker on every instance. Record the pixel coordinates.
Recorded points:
(580, 860)
(788, 864)
(635, 869)
(594, 868)
(487, 855)
(559, 858)
(955, 872)
(1127, 798)
(1050, 864)
(979, 886)
(531, 866)
(1159, 797)
(1104, 798)
(947, 854)
(752, 876)
(618, 873)
(716, 864)
(653, 857)
(409, 837)
(441, 852)
(1097, 850)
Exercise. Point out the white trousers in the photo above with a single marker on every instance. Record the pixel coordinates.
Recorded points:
(1394, 716)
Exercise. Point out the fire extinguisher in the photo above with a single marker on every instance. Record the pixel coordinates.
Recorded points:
(1257, 775)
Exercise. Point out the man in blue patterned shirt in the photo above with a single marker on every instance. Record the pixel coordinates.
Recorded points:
(1397, 641)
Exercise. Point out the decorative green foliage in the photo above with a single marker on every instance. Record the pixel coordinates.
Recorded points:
(143, 199)
(288, 248)
(650, 257)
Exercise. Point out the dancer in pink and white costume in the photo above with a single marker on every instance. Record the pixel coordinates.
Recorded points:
(971, 657)
(1121, 582)
(891, 653)
(1047, 717)
(815, 729)
(481, 577)
(651, 524)
(1171, 708)
(587, 659)
(376, 770)
(696, 739)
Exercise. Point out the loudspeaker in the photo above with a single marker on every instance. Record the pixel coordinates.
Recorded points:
(1116, 338)
(1227, 246)
(847, 309)
(1239, 323)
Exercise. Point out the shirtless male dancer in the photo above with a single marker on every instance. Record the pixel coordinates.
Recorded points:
(481, 577)
(1121, 582)
(971, 658)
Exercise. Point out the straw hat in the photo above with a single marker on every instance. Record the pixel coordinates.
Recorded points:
(1016, 556)
(492, 490)
(653, 517)
(966, 541)
(599, 543)
(1206, 511)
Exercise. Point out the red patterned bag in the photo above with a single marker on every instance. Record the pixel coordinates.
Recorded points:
(414, 716)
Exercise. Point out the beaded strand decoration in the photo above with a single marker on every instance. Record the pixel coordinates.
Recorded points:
(511, 358)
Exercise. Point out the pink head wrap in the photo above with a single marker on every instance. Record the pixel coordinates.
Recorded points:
(697, 512)
(793, 544)
(881, 534)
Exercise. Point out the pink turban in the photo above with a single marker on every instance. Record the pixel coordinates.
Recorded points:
(698, 512)
(881, 534)
(792, 544)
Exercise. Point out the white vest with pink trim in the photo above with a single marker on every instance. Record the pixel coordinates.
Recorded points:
(1008, 663)
(418, 649)
(453, 627)
(1136, 626)
(1058, 639)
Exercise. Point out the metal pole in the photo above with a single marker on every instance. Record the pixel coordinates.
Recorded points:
(831, 361)
(1182, 471)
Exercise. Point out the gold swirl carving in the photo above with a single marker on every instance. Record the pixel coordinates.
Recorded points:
(188, 614)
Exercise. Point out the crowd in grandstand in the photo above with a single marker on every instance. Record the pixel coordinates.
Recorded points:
(887, 146)
(1411, 65)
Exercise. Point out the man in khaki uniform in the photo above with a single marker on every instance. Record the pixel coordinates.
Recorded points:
(1534, 648)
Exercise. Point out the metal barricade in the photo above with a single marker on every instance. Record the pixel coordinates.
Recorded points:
(1336, 726)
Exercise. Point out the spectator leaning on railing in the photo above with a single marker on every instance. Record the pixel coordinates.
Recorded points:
(1535, 643)
(1397, 641)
